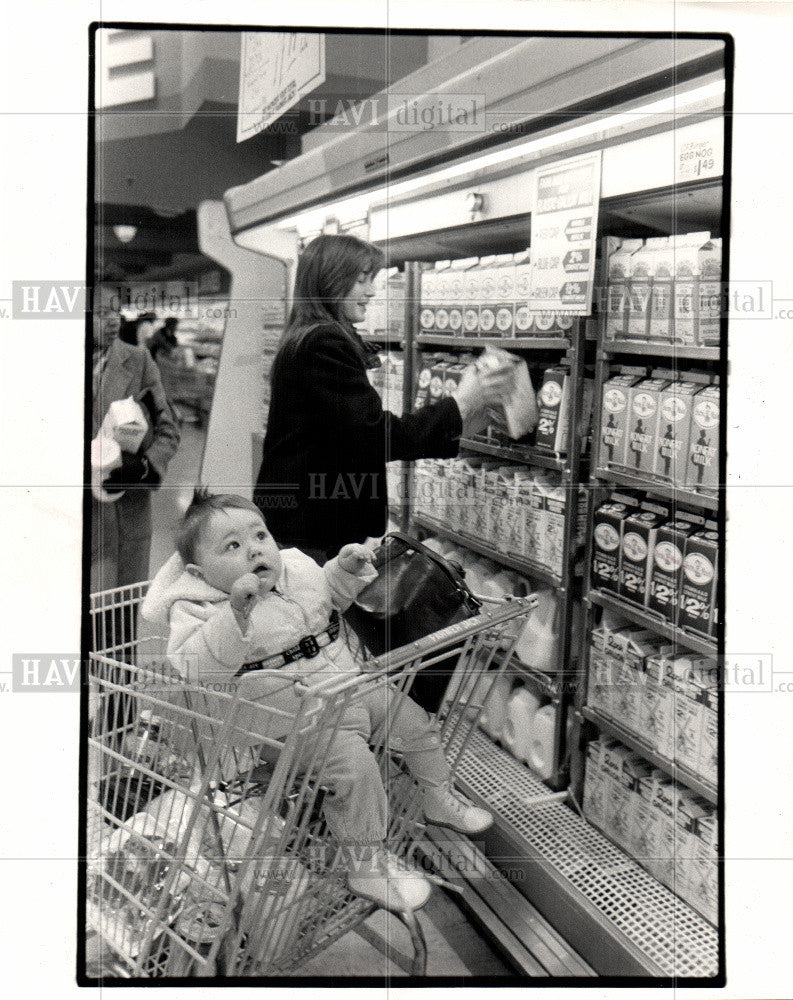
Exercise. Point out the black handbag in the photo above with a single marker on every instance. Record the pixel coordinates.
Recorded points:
(416, 593)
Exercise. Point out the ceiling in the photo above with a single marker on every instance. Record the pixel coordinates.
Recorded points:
(156, 160)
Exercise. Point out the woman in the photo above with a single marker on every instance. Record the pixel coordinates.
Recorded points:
(322, 481)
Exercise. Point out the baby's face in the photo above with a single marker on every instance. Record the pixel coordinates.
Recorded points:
(235, 542)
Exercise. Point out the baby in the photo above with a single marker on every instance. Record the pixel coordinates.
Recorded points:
(235, 604)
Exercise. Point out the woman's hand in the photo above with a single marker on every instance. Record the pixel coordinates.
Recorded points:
(482, 387)
(355, 558)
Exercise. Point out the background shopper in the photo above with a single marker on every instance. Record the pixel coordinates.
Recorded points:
(121, 529)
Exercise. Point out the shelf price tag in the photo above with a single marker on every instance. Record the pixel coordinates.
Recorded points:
(699, 152)
(563, 230)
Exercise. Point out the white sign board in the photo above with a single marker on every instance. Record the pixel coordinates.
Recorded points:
(276, 69)
(564, 219)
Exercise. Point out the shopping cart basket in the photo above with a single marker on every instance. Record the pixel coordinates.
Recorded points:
(207, 853)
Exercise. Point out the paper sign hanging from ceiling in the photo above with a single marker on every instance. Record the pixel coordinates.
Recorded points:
(277, 68)
(564, 219)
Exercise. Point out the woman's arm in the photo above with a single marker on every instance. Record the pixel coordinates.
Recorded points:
(342, 394)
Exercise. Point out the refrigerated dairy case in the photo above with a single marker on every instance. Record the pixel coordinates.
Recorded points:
(453, 212)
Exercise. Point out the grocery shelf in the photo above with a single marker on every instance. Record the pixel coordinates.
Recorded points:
(394, 339)
(534, 570)
(507, 343)
(677, 494)
(548, 683)
(675, 771)
(641, 616)
(525, 455)
(529, 941)
(622, 920)
(688, 352)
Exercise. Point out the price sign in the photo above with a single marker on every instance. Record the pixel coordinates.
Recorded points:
(276, 69)
(699, 152)
(563, 229)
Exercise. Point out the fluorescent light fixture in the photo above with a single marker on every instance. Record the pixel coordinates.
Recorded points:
(125, 234)
(357, 206)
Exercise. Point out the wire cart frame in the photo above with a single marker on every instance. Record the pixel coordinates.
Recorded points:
(207, 851)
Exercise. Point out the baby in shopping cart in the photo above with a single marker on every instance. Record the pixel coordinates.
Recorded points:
(238, 607)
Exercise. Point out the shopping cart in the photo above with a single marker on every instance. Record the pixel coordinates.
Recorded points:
(207, 853)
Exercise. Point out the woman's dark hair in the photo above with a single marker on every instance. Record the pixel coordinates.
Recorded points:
(328, 268)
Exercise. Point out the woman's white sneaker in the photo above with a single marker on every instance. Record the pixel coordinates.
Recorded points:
(444, 805)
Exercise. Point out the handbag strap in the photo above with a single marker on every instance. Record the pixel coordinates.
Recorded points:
(413, 543)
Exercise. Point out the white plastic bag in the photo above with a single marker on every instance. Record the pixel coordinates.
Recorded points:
(125, 422)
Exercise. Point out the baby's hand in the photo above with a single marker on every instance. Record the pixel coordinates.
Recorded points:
(244, 592)
(355, 558)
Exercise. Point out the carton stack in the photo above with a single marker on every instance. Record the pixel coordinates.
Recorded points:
(668, 829)
(661, 428)
(667, 700)
(665, 289)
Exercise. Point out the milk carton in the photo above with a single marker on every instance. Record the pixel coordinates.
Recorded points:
(698, 581)
(703, 882)
(519, 492)
(553, 401)
(594, 803)
(443, 289)
(472, 278)
(601, 678)
(674, 431)
(536, 529)
(661, 295)
(452, 375)
(438, 378)
(617, 302)
(664, 593)
(686, 285)
(710, 297)
(657, 711)
(458, 294)
(608, 523)
(646, 834)
(525, 486)
(614, 419)
(524, 317)
(703, 451)
(386, 313)
(708, 766)
(505, 295)
(489, 297)
(642, 269)
(553, 549)
(643, 422)
(630, 767)
(428, 299)
(664, 802)
(636, 645)
(689, 713)
(612, 757)
(499, 501)
(638, 540)
(690, 809)
(425, 365)
(470, 469)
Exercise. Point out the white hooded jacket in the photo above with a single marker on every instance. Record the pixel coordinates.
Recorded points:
(206, 645)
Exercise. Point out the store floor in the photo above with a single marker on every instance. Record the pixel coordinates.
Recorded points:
(454, 947)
